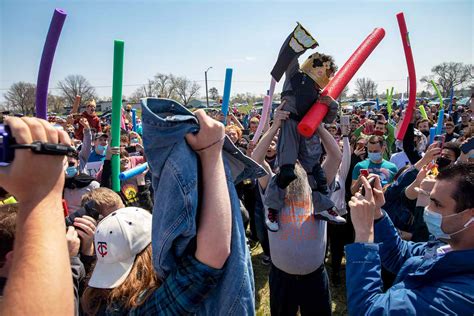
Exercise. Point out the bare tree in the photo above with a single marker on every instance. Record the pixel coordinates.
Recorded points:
(214, 93)
(74, 85)
(366, 88)
(21, 97)
(56, 103)
(185, 89)
(449, 75)
(165, 85)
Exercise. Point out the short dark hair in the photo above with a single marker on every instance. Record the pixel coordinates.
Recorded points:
(324, 58)
(375, 139)
(463, 174)
(8, 214)
(454, 147)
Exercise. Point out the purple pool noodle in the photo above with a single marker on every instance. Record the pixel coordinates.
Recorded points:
(47, 61)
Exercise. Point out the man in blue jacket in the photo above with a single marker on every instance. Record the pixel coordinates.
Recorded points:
(433, 278)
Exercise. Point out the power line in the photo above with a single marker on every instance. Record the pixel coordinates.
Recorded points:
(236, 81)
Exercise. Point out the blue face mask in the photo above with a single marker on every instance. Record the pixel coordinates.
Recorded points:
(375, 157)
(71, 172)
(434, 221)
(102, 149)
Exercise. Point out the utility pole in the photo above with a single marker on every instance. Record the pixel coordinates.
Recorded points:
(207, 93)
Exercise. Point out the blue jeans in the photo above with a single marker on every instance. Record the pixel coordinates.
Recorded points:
(177, 187)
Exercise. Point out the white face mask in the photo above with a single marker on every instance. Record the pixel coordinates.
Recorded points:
(434, 222)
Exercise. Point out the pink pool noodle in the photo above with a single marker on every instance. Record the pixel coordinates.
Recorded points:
(266, 108)
(411, 74)
(47, 61)
(318, 111)
(263, 119)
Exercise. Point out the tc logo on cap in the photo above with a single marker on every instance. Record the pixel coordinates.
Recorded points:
(102, 248)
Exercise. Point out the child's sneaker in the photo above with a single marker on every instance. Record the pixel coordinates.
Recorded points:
(331, 216)
(271, 220)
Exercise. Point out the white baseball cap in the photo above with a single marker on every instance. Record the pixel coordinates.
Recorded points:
(118, 239)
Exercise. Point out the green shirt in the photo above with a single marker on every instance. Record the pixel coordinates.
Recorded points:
(385, 170)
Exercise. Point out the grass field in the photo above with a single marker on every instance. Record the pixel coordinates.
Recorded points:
(262, 292)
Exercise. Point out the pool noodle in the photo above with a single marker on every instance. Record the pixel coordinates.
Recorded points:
(117, 110)
(49, 48)
(411, 74)
(318, 111)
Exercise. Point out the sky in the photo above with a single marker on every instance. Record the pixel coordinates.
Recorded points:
(186, 37)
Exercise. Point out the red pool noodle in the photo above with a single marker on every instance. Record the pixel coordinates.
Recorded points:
(411, 74)
(318, 111)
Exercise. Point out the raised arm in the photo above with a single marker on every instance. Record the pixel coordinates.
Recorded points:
(260, 150)
(334, 155)
(40, 279)
(215, 221)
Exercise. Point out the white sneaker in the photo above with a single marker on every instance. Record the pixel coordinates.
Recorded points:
(331, 216)
(271, 220)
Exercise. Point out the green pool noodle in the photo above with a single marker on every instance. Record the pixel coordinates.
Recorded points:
(117, 110)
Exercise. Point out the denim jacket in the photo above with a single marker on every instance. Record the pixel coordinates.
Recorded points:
(175, 177)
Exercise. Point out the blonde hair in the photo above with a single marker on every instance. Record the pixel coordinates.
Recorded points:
(137, 287)
(234, 128)
(105, 199)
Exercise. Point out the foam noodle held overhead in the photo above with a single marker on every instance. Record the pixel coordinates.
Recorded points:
(318, 111)
(55, 27)
(226, 95)
(263, 119)
(411, 74)
(117, 110)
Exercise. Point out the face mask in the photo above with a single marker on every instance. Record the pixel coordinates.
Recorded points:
(426, 133)
(434, 221)
(443, 162)
(101, 148)
(375, 157)
(71, 172)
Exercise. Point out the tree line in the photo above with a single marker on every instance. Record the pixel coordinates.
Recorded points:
(20, 97)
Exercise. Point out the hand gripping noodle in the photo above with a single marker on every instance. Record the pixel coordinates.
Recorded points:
(318, 111)
(411, 74)
(226, 95)
(117, 110)
(44, 72)
(133, 172)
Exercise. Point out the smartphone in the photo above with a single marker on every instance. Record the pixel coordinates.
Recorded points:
(371, 182)
(345, 120)
(467, 147)
(131, 149)
(440, 140)
(364, 172)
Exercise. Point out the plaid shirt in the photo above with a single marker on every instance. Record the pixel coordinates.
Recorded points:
(183, 291)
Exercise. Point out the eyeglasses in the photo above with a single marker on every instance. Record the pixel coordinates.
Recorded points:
(450, 126)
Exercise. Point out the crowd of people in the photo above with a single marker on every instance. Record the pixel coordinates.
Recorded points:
(176, 239)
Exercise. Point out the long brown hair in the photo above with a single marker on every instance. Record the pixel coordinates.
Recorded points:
(139, 284)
